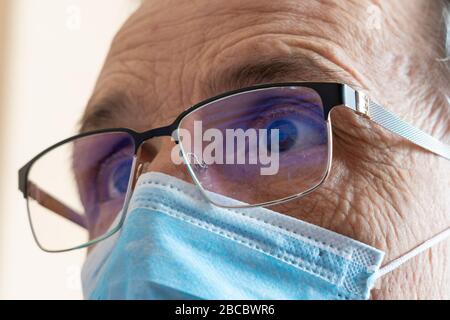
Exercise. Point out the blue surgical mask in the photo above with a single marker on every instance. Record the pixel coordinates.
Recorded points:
(176, 245)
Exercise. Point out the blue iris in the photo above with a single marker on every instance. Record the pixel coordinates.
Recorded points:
(288, 134)
(121, 175)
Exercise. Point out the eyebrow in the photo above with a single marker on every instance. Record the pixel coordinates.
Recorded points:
(106, 112)
(292, 68)
(111, 110)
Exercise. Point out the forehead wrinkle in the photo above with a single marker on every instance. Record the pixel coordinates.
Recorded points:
(281, 67)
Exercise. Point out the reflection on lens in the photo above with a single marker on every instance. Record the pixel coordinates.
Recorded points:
(76, 190)
(297, 164)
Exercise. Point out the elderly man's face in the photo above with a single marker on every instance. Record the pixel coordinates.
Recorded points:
(382, 190)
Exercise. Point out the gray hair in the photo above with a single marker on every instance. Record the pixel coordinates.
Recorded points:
(446, 17)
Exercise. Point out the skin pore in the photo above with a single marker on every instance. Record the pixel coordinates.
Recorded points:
(382, 190)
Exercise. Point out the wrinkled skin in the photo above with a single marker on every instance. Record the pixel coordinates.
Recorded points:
(382, 190)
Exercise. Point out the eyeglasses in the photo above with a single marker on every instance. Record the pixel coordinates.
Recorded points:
(261, 145)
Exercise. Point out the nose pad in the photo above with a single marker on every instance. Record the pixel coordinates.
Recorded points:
(138, 172)
(155, 156)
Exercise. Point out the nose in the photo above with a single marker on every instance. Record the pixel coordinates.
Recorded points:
(161, 155)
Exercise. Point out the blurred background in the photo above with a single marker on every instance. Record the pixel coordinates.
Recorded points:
(51, 52)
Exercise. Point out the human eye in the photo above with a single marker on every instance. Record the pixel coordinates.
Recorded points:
(300, 125)
(113, 175)
(102, 166)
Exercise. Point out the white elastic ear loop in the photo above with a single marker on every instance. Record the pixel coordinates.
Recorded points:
(391, 266)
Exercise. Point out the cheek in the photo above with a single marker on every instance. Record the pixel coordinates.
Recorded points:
(346, 203)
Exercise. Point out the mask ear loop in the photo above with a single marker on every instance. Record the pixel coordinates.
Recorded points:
(391, 266)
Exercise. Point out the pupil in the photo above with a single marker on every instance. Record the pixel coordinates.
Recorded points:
(121, 176)
(288, 134)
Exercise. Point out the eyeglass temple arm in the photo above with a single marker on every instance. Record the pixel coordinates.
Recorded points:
(54, 205)
(362, 104)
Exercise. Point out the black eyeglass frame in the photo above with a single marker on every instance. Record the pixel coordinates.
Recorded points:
(332, 95)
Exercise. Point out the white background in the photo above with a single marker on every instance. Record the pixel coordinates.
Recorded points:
(51, 52)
